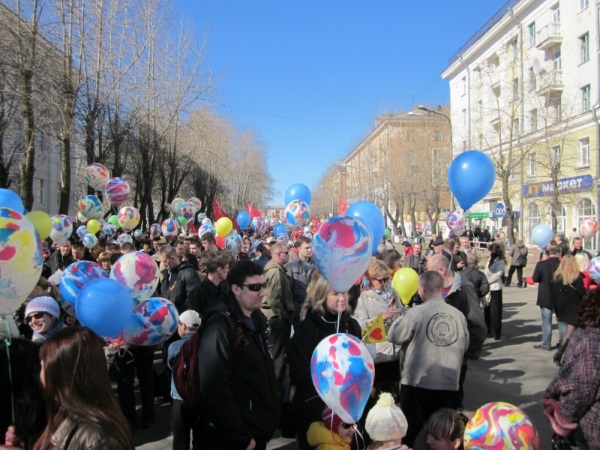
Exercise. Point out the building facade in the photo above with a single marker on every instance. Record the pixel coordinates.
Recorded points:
(524, 89)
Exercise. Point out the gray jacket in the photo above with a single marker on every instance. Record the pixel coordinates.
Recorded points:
(516, 251)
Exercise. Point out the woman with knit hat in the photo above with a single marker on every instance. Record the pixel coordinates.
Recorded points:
(386, 424)
(42, 315)
(330, 434)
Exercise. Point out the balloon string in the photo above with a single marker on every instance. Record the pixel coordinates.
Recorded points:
(8, 339)
(339, 317)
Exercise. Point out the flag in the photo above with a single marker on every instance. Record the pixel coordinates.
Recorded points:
(217, 211)
(374, 332)
(253, 211)
(342, 207)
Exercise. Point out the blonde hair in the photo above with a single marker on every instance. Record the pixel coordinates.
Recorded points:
(582, 261)
(376, 267)
(567, 271)
(472, 260)
(318, 292)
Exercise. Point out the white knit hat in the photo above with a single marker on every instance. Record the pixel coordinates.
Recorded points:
(43, 304)
(385, 421)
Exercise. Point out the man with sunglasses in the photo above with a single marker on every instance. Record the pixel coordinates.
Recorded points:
(240, 400)
(278, 304)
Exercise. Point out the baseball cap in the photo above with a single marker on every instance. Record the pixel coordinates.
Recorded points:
(190, 318)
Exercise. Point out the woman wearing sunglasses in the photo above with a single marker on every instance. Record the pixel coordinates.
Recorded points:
(42, 315)
(321, 321)
(381, 298)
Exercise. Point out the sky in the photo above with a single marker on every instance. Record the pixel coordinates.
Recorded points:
(310, 77)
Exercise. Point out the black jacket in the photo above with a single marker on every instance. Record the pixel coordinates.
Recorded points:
(542, 274)
(299, 274)
(477, 278)
(203, 296)
(240, 398)
(181, 282)
(307, 335)
(59, 262)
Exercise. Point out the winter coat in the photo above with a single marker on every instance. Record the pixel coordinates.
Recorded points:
(566, 299)
(515, 252)
(179, 285)
(322, 438)
(240, 398)
(307, 335)
(85, 436)
(299, 274)
(370, 305)
(59, 262)
(494, 272)
(573, 397)
(417, 263)
(202, 297)
(478, 279)
(463, 297)
(278, 300)
(542, 274)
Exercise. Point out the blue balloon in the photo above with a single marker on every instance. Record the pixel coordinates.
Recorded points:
(298, 191)
(105, 306)
(541, 235)
(372, 217)
(280, 229)
(10, 199)
(471, 176)
(243, 220)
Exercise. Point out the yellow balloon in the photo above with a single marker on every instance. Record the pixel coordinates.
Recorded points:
(406, 284)
(93, 226)
(42, 223)
(223, 226)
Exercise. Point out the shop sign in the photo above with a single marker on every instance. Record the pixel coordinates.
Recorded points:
(565, 185)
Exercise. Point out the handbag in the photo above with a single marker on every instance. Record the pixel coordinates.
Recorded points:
(485, 300)
(560, 443)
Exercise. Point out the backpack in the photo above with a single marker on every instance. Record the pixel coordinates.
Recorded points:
(484, 289)
(186, 375)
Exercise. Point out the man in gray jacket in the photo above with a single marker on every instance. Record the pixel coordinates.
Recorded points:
(278, 304)
(434, 338)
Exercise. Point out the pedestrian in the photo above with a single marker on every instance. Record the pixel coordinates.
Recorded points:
(81, 409)
(320, 322)
(299, 269)
(240, 398)
(543, 274)
(518, 260)
(179, 278)
(183, 420)
(494, 273)
(416, 261)
(43, 317)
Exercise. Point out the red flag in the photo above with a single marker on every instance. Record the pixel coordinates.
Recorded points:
(342, 207)
(217, 211)
(253, 211)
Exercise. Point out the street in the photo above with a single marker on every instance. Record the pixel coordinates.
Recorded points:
(509, 370)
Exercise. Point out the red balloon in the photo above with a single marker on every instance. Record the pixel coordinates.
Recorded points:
(220, 241)
(529, 281)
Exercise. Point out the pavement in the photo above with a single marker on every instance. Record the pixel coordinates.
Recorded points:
(509, 370)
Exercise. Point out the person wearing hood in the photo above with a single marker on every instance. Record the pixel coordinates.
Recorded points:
(460, 293)
(332, 433)
(179, 278)
(42, 315)
(518, 260)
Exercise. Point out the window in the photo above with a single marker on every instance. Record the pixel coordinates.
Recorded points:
(585, 99)
(480, 108)
(584, 152)
(464, 116)
(533, 218)
(554, 109)
(464, 85)
(531, 29)
(532, 80)
(512, 170)
(515, 89)
(464, 145)
(481, 142)
(515, 127)
(586, 210)
(584, 46)
(437, 136)
(533, 120)
(556, 14)
(556, 61)
(583, 4)
(555, 156)
(39, 187)
(531, 165)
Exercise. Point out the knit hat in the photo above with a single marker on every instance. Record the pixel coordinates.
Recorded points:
(190, 318)
(385, 421)
(331, 419)
(43, 304)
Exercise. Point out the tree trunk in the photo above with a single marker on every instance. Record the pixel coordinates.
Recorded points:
(27, 168)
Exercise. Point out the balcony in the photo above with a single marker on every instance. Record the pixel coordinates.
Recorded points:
(549, 36)
(550, 83)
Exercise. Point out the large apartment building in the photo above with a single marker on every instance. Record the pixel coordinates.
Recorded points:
(524, 89)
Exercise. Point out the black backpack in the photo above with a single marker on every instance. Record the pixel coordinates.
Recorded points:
(186, 375)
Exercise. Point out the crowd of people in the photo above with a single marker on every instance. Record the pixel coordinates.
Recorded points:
(263, 311)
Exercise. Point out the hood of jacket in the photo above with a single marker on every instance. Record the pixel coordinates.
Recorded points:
(456, 284)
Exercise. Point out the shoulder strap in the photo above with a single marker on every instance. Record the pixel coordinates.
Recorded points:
(235, 327)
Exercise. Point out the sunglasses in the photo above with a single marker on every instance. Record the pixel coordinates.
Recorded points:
(37, 315)
(382, 280)
(255, 287)
(347, 426)
(284, 253)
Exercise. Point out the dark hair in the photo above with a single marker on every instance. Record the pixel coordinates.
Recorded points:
(390, 256)
(446, 424)
(496, 251)
(589, 310)
(127, 247)
(113, 247)
(301, 240)
(208, 237)
(77, 245)
(76, 386)
(242, 270)
(192, 261)
(30, 418)
(214, 260)
(195, 240)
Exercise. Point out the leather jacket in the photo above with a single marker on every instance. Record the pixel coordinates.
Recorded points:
(89, 436)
